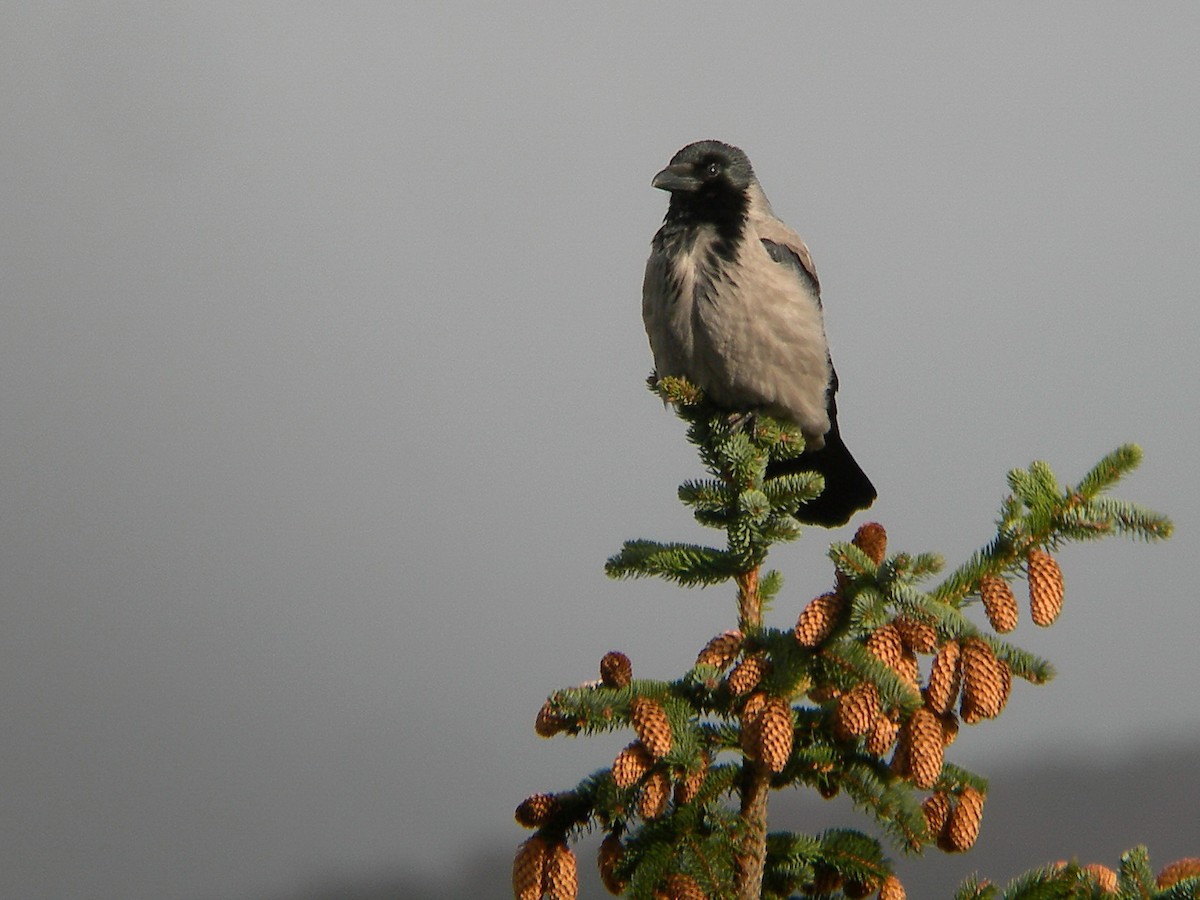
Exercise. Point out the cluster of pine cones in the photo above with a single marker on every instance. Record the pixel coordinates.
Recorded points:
(965, 674)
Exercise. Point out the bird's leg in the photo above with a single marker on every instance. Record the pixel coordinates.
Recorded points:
(743, 421)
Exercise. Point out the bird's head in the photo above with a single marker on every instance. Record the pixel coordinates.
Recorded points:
(707, 178)
(706, 167)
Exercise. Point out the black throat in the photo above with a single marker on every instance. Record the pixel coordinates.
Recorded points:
(721, 208)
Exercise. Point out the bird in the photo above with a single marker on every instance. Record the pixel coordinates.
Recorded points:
(731, 302)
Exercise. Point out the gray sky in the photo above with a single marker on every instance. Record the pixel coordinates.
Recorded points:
(321, 388)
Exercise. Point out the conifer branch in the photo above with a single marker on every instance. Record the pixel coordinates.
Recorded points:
(837, 703)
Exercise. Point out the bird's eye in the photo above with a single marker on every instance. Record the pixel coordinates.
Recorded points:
(712, 170)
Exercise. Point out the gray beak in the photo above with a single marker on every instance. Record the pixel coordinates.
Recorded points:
(679, 177)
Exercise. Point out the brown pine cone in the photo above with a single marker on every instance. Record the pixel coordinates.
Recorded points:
(1045, 587)
(752, 706)
(747, 674)
(949, 723)
(857, 890)
(910, 670)
(963, 827)
(611, 852)
(680, 887)
(917, 635)
(1104, 877)
(937, 813)
(882, 735)
(999, 603)
(1006, 676)
(857, 710)
(892, 889)
(689, 786)
(887, 645)
(549, 723)
(616, 671)
(899, 765)
(925, 748)
(536, 810)
(721, 650)
(986, 681)
(827, 880)
(751, 710)
(561, 881)
(871, 539)
(653, 729)
(818, 619)
(1187, 867)
(823, 693)
(631, 764)
(969, 713)
(775, 733)
(652, 802)
(529, 868)
(944, 678)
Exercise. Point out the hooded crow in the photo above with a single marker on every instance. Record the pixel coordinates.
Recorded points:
(731, 302)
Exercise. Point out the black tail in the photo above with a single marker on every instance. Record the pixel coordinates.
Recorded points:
(847, 488)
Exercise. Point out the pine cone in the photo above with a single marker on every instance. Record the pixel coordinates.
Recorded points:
(999, 603)
(969, 713)
(680, 887)
(752, 706)
(944, 679)
(823, 693)
(611, 852)
(986, 681)
(549, 723)
(529, 867)
(721, 650)
(899, 765)
(949, 723)
(651, 724)
(689, 786)
(775, 732)
(857, 890)
(562, 874)
(652, 802)
(1188, 867)
(857, 711)
(616, 671)
(892, 889)
(887, 645)
(925, 748)
(1104, 877)
(751, 711)
(963, 827)
(910, 670)
(917, 635)
(882, 735)
(937, 813)
(747, 674)
(1045, 587)
(818, 619)
(631, 764)
(871, 539)
(827, 880)
(536, 810)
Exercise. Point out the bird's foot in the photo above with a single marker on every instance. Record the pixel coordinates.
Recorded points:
(743, 421)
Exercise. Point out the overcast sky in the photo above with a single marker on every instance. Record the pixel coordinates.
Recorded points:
(322, 404)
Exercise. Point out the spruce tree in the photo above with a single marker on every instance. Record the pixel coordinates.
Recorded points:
(863, 695)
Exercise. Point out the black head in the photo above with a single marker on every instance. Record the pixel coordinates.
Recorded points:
(706, 168)
(708, 182)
